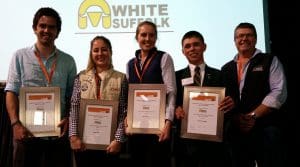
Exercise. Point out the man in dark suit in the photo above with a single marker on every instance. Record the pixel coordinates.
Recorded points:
(191, 152)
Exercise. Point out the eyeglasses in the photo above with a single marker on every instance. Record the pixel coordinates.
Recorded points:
(241, 36)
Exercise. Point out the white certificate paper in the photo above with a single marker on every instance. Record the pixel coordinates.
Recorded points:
(147, 109)
(97, 128)
(203, 115)
(40, 112)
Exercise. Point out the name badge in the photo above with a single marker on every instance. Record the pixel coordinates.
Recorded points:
(187, 81)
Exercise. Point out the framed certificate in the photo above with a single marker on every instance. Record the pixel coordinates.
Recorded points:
(97, 122)
(202, 120)
(146, 108)
(40, 110)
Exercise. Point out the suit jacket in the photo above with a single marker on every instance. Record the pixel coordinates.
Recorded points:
(212, 77)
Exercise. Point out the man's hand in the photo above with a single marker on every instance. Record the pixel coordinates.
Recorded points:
(245, 122)
(20, 132)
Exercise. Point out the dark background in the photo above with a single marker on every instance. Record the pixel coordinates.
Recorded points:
(282, 32)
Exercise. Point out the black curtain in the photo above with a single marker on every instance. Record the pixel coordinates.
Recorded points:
(5, 132)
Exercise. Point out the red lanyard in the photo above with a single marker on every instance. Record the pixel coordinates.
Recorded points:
(46, 74)
(144, 68)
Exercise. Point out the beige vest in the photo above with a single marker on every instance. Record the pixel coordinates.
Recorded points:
(110, 85)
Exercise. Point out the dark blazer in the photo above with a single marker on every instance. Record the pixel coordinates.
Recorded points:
(212, 77)
(188, 147)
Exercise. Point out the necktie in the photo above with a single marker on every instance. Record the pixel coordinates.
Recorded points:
(197, 76)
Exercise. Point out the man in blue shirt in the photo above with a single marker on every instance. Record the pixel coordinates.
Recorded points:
(257, 83)
(41, 65)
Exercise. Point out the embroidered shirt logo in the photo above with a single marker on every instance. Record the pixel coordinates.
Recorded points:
(258, 68)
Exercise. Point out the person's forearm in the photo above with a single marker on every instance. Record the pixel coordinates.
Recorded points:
(12, 106)
(261, 111)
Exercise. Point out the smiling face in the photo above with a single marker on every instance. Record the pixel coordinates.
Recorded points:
(46, 30)
(245, 40)
(101, 54)
(146, 36)
(193, 49)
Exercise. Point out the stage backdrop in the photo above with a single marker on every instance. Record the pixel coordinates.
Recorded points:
(117, 20)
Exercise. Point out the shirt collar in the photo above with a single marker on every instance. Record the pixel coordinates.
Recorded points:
(257, 51)
(192, 66)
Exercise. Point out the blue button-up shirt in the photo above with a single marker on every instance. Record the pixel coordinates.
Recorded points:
(25, 71)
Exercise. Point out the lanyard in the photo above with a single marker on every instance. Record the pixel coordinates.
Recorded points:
(46, 74)
(140, 73)
(98, 85)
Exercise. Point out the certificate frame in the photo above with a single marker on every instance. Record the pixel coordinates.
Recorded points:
(40, 110)
(104, 113)
(153, 119)
(203, 120)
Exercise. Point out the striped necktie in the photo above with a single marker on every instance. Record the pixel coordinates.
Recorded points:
(197, 76)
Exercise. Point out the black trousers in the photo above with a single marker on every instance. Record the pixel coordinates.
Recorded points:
(146, 151)
(42, 152)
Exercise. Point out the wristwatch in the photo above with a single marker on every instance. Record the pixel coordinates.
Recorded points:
(253, 115)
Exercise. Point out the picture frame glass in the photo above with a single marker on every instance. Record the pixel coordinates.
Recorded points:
(146, 108)
(97, 122)
(203, 120)
(40, 110)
